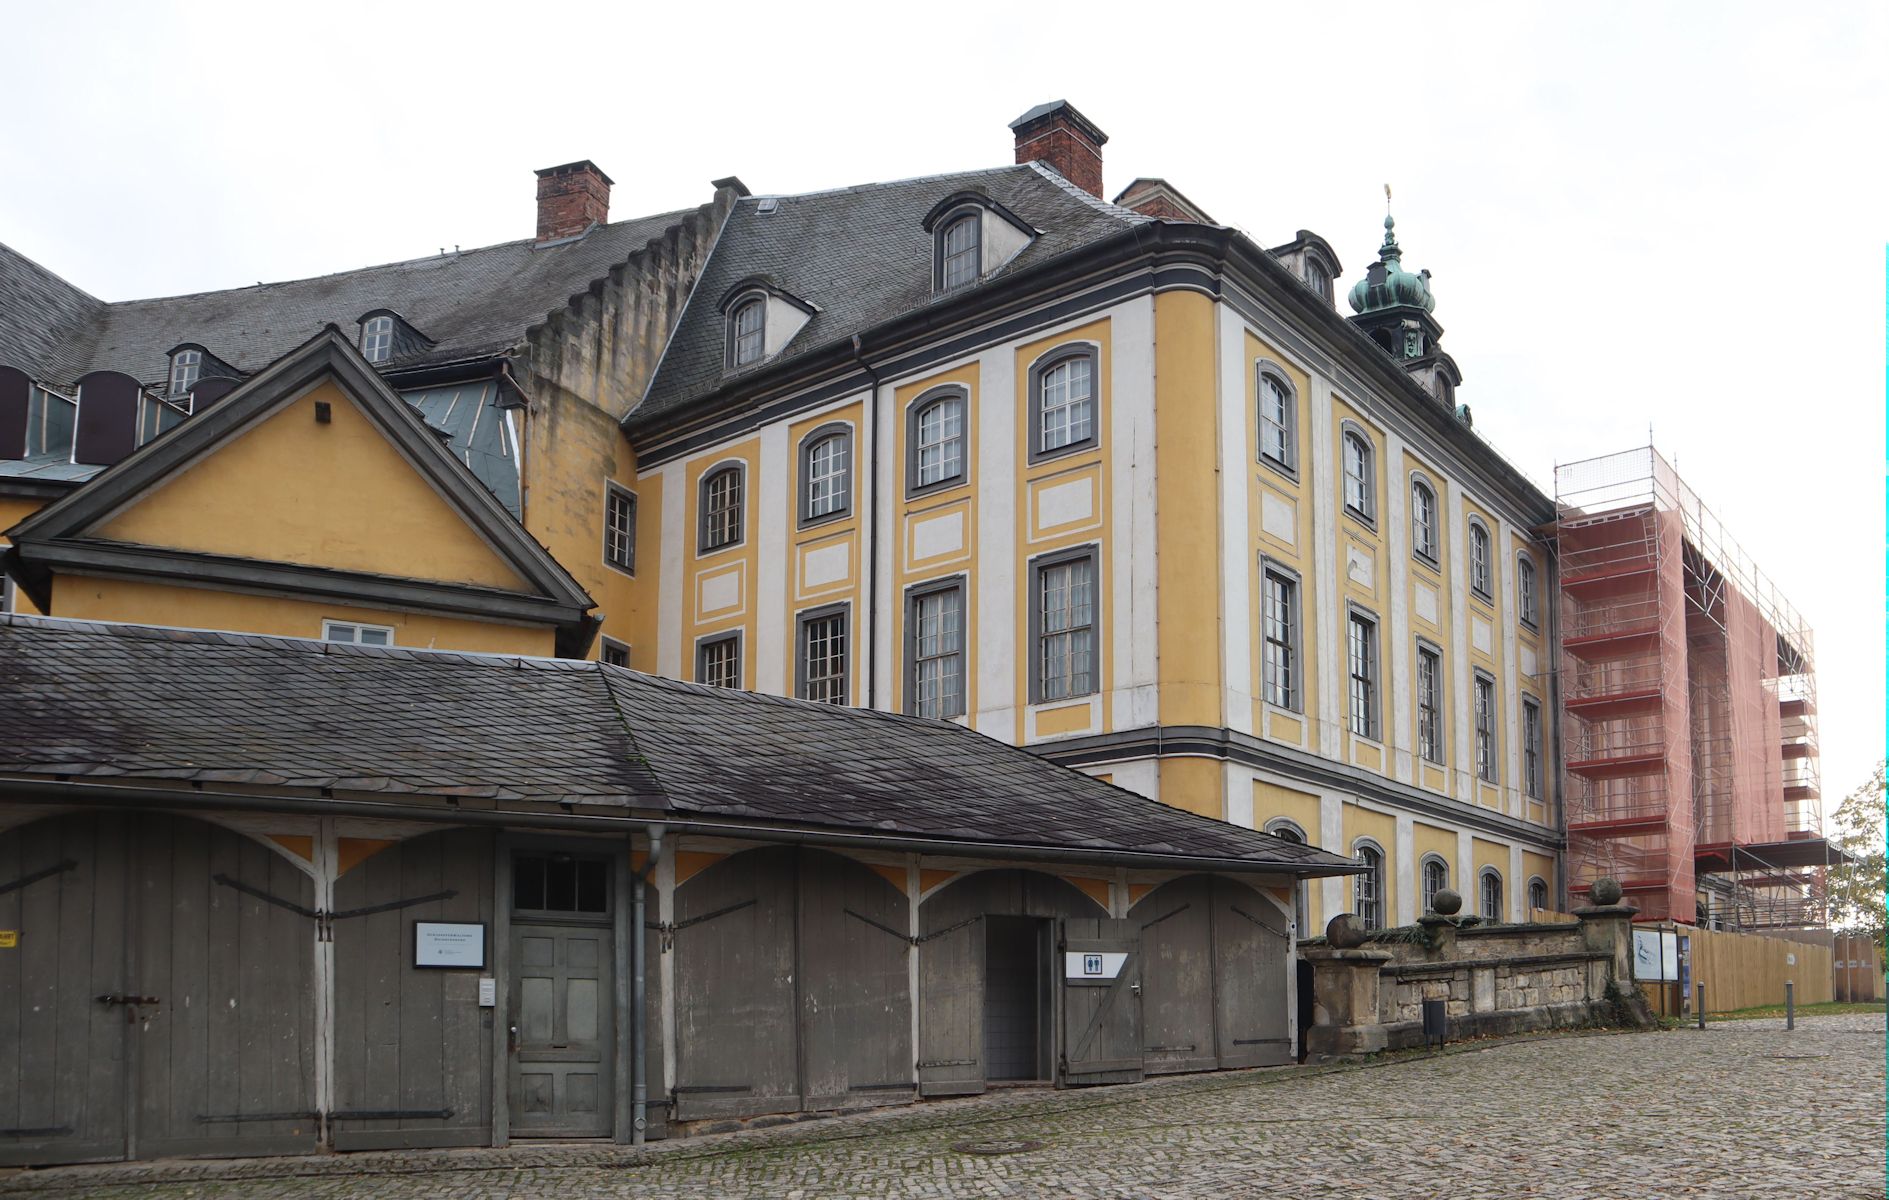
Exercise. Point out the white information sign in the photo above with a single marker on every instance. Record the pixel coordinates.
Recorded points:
(1656, 955)
(1077, 965)
(488, 992)
(443, 944)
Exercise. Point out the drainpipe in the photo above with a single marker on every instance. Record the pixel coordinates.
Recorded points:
(872, 548)
(639, 1028)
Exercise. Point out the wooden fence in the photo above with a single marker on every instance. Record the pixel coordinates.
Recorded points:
(1744, 970)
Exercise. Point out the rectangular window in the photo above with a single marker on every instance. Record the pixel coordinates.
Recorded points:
(1430, 704)
(721, 508)
(1485, 728)
(1363, 658)
(935, 672)
(962, 253)
(823, 657)
(1066, 404)
(614, 653)
(560, 883)
(619, 527)
(1531, 748)
(1065, 624)
(1279, 629)
(718, 662)
(940, 441)
(359, 635)
(1275, 422)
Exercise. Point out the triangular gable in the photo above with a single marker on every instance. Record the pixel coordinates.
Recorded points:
(373, 495)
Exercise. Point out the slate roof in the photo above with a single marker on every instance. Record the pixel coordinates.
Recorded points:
(469, 302)
(861, 256)
(104, 703)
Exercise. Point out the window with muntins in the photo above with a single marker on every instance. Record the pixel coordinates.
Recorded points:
(1363, 666)
(937, 667)
(614, 654)
(962, 251)
(721, 508)
(1525, 590)
(823, 658)
(747, 338)
(619, 528)
(1369, 888)
(1423, 520)
(1066, 629)
(1485, 729)
(186, 369)
(718, 662)
(1317, 278)
(1430, 704)
(938, 440)
(1276, 422)
(828, 470)
(1531, 749)
(1436, 877)
(560, 883)
(357, 634)
(1065, 404)
(377, 339)
(1479, 560)
(1279, 625)
(1537, 894)
(1491, 894)
(1359, 483)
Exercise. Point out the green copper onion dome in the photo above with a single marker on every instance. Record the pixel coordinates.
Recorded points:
(1387, 285)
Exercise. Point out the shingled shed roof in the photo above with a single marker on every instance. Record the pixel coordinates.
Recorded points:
(112, 704)
(860, 256)
(468, 302)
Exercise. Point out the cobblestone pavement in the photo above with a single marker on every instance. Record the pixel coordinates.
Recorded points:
(1744, 1109)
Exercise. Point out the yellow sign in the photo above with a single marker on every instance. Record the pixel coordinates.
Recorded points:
(9, 938)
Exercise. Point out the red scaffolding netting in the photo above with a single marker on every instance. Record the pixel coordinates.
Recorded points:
(1687, 702)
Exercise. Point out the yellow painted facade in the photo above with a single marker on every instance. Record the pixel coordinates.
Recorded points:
(937, 527)
(1187, 525)
(718, 586)
(1279, 512)
(1363, 824)
(823, 541)
(1430, 600)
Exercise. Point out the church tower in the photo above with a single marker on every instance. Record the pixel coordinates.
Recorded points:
(1394, 306)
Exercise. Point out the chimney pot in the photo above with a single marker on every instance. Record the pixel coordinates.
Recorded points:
(571, 199)
(1061, 138)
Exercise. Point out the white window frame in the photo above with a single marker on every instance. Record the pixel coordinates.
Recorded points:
(1534, 882)
(1073, 641)
(1531, 748)
(713, 643)
(619, 536)
(1427, 894)
(377, 338)
(1367, 888)
(945, 442)
(1273, 383)
(1360, 479)
(824, 677)
(730, 523)
(1428, 677)
(606, 646)
(1483, 908)
(186, 370)
(1527, 594)
(1363, 695)
(971, 251)
(1481, 560)
(1279, 676)
(1079, 414)
(354, 630)
(935, 659)
(826, 472)
(1428, 548)
(747, 346)
(1487, 744)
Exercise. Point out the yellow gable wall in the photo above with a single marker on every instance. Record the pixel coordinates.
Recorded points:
(84, 598)
(1361, 822)
(13, 510)
(339, 495)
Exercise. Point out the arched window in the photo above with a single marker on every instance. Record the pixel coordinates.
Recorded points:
(1479, 565)
(721, 505)
(936, 436)
(1287, 831)
(1436, 877)
(747, 332)
(826, 469)
(960, 251)
(1368, 888)
(1423, 520)
(1537, 895)
(1360, 498)
(377, 339)
(1317, 278)
(186, 368)
(1525, 598)
(1062, 402)
(1278, 421)
(1491, 891)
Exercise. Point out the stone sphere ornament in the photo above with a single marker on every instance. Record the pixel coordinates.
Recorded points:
(1346, 932)
(1446, 903)
(1605, 890)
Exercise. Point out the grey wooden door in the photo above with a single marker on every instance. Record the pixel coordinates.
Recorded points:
(1250, 940)
(1177, 946)
(166, 1004)
(562, 1017)
(1101, 1001)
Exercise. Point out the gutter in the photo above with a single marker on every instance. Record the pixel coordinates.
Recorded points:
(38, 791)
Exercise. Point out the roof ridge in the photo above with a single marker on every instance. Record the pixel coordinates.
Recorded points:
(1096, 202)
(880, 183)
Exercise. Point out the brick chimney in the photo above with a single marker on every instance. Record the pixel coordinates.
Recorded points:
(1061, 138)
(571, 199)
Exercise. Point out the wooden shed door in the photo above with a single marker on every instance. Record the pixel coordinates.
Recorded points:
(1101, 986)
(562, 1014)
(166, 1006)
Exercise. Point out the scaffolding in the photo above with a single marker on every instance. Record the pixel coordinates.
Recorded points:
(1687, 705)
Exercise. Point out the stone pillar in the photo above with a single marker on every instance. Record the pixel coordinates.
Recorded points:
(1345, 1013)
(1608, 928)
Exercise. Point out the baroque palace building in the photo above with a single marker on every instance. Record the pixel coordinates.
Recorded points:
(1106, 480)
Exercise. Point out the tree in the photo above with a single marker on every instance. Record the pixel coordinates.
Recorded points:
(1857, 887)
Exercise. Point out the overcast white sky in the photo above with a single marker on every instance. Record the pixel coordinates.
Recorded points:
(1637, 214)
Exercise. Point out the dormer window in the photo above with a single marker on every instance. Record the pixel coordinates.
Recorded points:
(186, 369)
(377, 339)
(1317, 278)
(963, 248)
(747, 332)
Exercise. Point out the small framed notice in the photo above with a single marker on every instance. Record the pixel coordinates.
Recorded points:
(443, 944)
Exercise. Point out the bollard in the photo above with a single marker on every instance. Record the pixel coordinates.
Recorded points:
(1702, 1006)
(1790, 1008)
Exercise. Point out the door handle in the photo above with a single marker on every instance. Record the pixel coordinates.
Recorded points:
(511, 1040)
(1135, 987)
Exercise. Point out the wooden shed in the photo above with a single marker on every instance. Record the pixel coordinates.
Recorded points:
(263, 896)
